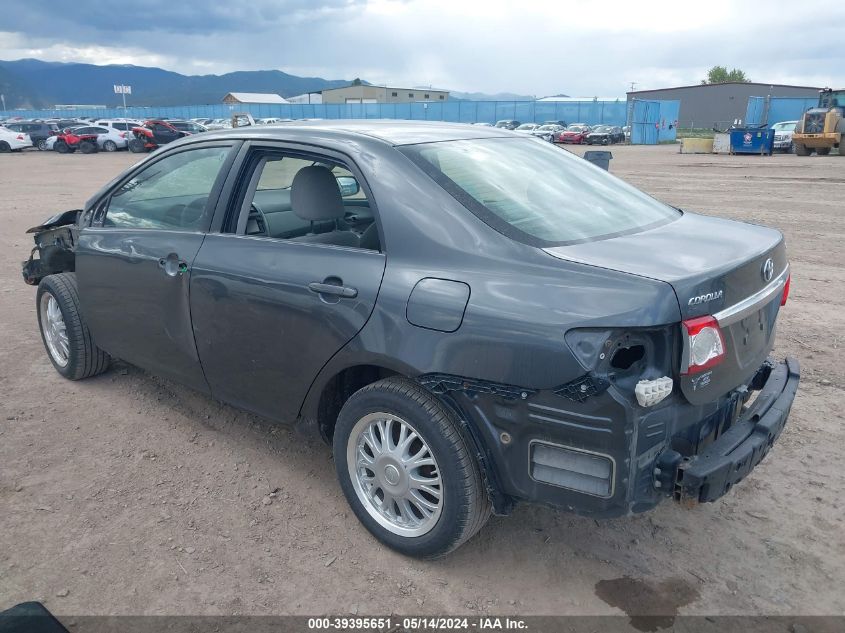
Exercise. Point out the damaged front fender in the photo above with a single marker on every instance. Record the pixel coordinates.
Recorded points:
(54, 250)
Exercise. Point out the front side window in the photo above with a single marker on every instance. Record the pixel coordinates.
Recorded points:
(537, 193)
(172, 193)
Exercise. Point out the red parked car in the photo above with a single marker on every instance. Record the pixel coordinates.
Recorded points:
(68, 142)
(153, 134)
(575, 133)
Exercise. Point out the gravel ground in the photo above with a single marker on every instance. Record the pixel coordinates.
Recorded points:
(127, 494)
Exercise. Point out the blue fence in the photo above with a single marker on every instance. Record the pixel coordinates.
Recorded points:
(772, 110)
(654, 122)
(590, 112)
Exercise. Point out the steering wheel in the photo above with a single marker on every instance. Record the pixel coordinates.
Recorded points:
(187, 215)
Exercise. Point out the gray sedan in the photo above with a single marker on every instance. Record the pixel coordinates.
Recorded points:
(472, 318)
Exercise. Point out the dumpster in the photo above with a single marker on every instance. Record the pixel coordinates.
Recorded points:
(752, 140)
(599, 159)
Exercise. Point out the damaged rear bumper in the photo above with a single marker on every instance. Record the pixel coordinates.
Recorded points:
(727, 461)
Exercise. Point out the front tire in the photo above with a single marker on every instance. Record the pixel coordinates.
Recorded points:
(63, 329)
(42, 145)
(136, 146)
(87, 147)
(5, 148)
(801, 149)
(822, 151)
(406, 470)
(110, 146)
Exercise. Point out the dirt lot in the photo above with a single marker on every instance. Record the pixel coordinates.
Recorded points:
(129, 494)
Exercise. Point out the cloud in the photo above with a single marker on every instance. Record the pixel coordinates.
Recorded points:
(538, 47)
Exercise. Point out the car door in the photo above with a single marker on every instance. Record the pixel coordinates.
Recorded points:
(133, 263)
(269, 310)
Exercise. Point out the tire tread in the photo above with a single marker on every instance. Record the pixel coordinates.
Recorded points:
(86, 359)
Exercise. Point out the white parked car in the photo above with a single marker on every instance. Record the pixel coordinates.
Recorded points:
(13, 141)
(783, 135)
(108, 139)
(121, 125)
(272, 120)
(219, 124)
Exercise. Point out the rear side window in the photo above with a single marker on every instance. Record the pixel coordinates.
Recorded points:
(171, 193)
(266, 205)
(537, 193)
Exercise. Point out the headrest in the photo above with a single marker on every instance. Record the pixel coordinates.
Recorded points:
(314, 195)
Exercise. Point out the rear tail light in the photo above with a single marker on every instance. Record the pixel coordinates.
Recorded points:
(785, 295)
(20, 137)
(704, 346)
(123, 135)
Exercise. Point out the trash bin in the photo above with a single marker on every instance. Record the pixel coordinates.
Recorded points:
(752, 140)
(599, 159)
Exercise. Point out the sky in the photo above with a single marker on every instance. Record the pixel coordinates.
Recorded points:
(531, 47)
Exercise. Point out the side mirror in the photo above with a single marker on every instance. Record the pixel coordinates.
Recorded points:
(348, 186)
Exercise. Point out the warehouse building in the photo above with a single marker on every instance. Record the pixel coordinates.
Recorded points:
(253, 97)
(719, 105)
(362, 93)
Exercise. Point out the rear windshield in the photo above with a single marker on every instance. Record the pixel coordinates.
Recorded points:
(538, 193)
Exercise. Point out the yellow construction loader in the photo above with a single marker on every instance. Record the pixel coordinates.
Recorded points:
(823, 127)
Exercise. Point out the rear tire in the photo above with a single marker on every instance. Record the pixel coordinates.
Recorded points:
(87, 147)
(801, 149)
(5, 148)
(136, 146)
(63, 329)
(61, 147)
(42, 145)
(110, 146)
(424, 522)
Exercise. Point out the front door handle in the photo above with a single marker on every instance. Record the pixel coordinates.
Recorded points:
(172, 265)
(333, 289)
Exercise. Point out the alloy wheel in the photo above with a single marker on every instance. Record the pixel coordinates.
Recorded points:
(394, 474)
(54, 328)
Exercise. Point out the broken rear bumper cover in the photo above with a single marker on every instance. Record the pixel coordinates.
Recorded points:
(590, 448)
(727, 461)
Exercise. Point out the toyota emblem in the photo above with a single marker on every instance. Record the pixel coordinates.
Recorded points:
(768, 269)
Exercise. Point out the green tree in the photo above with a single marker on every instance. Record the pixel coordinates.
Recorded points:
(720, 74)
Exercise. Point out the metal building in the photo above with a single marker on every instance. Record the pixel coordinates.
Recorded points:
(252, 97)
(719, 105)
(362, 93)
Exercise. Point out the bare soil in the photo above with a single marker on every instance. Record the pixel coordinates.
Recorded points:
(127, 494)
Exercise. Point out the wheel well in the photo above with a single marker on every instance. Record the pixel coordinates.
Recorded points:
(339, 388)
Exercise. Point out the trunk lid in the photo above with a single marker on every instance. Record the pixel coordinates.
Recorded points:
(716, 267)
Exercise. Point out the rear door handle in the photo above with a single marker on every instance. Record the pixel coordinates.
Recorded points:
(332, 289)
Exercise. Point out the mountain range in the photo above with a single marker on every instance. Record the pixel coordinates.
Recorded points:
(32, 83)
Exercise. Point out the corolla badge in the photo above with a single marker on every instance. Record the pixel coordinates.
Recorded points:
(710, 296)
(768, 269)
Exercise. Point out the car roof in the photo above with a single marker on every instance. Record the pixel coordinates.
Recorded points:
(391, 131)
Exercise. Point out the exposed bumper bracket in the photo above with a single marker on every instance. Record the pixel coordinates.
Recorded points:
(711, 474)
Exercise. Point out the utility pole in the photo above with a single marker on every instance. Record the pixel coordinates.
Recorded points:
(633, 83)
(3, 99)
